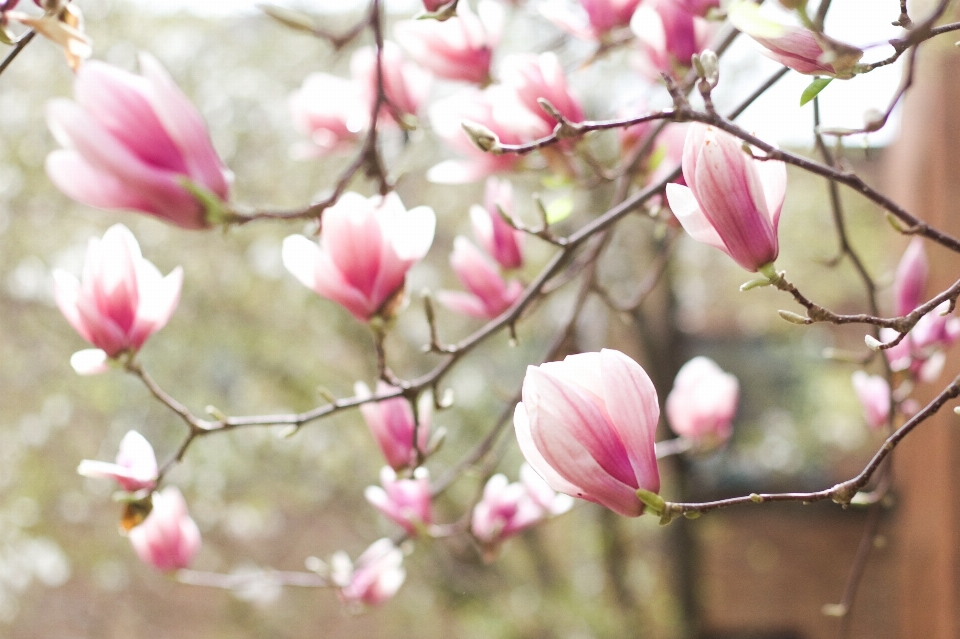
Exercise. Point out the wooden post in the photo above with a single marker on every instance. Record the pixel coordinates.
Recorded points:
(924, 172)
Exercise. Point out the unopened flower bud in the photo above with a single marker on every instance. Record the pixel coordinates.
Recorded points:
(709, 67)
(482, 137)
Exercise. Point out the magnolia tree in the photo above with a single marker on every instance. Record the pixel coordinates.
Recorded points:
(587, 423)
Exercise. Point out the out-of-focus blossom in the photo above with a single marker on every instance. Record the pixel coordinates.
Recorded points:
(669, 35)
(532, 77)
(503, 242)
(495, 108)
(135, 142)
(874, 395)
(433, 6)
(587, 426)
(120, 300)
(911, 278)
(329, 110)
(136, 467)
(376, 577)
(392, 423)
(404, 501)
(507, 509)
(366, 248)
(920, 352)
(405, 85)
(459, 48)
(703, 402)
(732, 201)
(590, 19)
(699, 7)
(802, 50)
(489, 295)
(65, 29)
(666, 151)
(168, 539)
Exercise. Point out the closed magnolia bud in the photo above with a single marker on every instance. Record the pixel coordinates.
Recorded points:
(489, 294)
(168, 539)
(132, 142)
(703, 402)
(732, 201)
(587, 426)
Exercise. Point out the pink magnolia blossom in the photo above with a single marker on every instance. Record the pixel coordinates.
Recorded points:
(459, 48)
(506, 509)
(495, 108)
(503, 242)
(911, 278)
(131, 142)
(375, 578)
(136, 467)
(489, 295)
(874, 395)
(669, 35)
(732, 201)
(587, 426)
(699, 7)
(406, 502)
(432, 6)
(120, 300)
(404, 83)
(703, 402)
(168, 539)
(589, 19)
(329, 110)
(920, 352)
(800, 49)
(532, 77)
(392, 424)
(366, 248)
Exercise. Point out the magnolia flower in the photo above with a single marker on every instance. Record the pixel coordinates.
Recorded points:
(136, 467)
(121, 300)
(703, 402)
(802, 50)
(873, 392)
(489, 294)
(920, 352)
(669, 35)
(911, 278)
(168, 539)
(496, 109)
(133, 142)
(587, 425)
(503, 242)
(366, 248)
(459, 48)
(732, 201)
(404, 501)
(392, 423)
(590, 19)
(506, 509)
(376, 577)
(405, 85)
(329, 110)
(532, 77)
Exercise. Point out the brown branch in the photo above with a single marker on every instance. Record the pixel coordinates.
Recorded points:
(842, 493)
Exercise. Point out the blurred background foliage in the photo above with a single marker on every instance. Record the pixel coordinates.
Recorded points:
(249, 339)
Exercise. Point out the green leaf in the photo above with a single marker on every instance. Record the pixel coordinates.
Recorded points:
(814, 89)
(559, 209)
